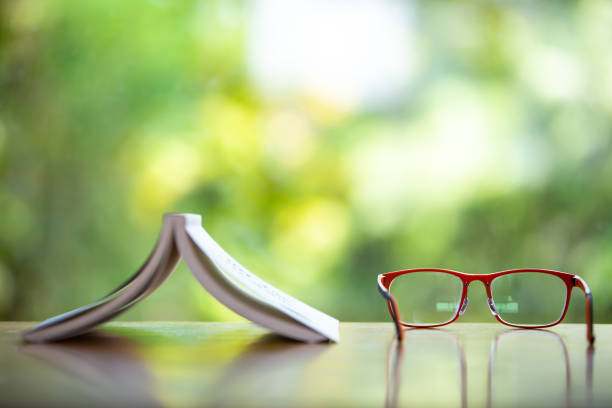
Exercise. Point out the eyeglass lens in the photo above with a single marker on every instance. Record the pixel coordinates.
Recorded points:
(427, 298)
(529, 298)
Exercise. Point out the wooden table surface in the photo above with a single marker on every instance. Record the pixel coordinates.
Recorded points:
(235, 364)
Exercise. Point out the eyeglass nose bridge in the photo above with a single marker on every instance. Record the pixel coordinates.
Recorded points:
(490, 302)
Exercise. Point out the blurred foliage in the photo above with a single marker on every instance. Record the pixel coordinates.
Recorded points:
(496, 154)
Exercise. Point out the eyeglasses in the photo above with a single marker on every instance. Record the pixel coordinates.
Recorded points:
(524, 298)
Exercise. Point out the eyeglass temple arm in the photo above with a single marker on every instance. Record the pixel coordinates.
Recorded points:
(394, 307)
(579, 282)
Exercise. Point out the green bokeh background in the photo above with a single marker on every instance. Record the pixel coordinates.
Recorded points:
(496, 155)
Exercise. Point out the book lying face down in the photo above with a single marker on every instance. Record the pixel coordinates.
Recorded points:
(182, 236)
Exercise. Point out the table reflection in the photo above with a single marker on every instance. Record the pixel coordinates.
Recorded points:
(433, 380)
(116, 370)
(108, 368)
(273, 363)
(231, 365)
(515, 374)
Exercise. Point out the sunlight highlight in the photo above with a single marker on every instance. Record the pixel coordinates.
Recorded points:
(348, 54)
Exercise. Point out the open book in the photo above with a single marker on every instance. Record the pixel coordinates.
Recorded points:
(182, 235)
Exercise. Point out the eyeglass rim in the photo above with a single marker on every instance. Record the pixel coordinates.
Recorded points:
(487, 279)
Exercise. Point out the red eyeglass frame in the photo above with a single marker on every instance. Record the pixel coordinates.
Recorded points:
(385, 279)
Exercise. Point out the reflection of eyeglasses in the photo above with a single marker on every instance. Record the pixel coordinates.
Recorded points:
(515, 371)
(508, 382)
(525, 298)
(395, 364)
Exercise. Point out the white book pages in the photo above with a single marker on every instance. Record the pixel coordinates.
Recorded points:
(232, 284)
(257, 287)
